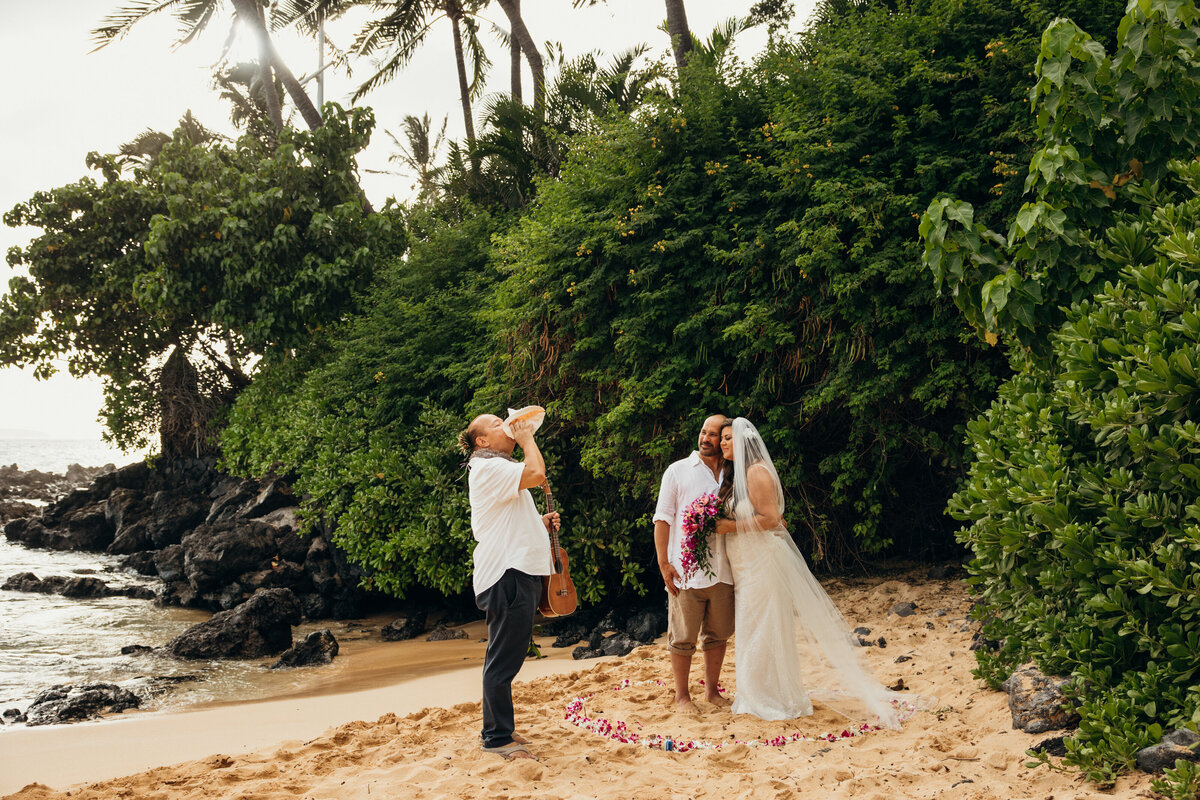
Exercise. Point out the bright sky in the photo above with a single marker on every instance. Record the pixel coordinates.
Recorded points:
(72, 101)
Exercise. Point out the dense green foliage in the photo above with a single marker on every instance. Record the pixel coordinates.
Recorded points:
(1104, 122)
(204, 247)
(367, 422)
(1084, 494)
(743, 240)
(749, 246)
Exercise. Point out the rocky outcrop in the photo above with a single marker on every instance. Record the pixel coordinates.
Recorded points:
(617, 632)
(1182, 744)
(319, 647)
(1037, 702)
(261, 626)
(15, 509)
(212, 538)
(44, 486)
(443, 634)
(67, 703)
(405, 628)
(74, 586)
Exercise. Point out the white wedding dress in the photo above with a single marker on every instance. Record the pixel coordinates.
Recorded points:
(791, 643)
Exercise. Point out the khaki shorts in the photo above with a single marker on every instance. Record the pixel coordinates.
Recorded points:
(700, 618)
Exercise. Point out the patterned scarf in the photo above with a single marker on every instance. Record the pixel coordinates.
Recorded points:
(486, 452)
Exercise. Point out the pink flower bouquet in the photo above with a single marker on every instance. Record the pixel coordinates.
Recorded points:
(699, 522)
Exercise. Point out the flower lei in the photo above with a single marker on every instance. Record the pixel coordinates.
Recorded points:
(699, 520)
(619, 731)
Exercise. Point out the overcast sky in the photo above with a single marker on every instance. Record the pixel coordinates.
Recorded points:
(71, 101)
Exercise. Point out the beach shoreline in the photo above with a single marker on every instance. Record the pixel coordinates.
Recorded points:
(118, 745)
(418, 737)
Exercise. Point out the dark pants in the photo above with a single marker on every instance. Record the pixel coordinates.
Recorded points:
(510, 604)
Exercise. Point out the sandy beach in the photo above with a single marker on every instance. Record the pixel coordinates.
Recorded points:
(417, 737)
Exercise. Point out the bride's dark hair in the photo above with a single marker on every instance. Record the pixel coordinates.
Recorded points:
(725, 492)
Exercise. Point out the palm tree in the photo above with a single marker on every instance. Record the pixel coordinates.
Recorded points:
(419, 154)
(514, 59)
(400, 32)
(242, 86)
(194, 16)
(593, 88)
(681, 34)
(520, 33)
(145, 148)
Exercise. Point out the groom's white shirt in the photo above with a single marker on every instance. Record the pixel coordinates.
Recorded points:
(683, 482)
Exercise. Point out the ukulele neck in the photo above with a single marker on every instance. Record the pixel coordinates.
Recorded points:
(553, 530)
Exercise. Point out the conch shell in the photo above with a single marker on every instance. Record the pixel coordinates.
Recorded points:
(534, 415)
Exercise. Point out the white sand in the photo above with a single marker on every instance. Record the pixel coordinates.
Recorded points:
(425, 744)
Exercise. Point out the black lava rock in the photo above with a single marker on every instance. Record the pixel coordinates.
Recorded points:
(442, 634)
(319, 647)
(67, 703)
(405, 628)
(258, 627)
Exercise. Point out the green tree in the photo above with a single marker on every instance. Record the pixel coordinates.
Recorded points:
(367, 416)
(204, 248)
(1097, 140)
(748, 246)
(1083, 493)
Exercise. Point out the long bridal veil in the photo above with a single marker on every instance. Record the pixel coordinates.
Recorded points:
(831, 665)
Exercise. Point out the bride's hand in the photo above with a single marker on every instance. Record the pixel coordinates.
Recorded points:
(725, 525)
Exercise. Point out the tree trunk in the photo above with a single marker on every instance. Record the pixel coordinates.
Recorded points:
(463, 86)
(514, 55)
(249, 13)
(181, 423)
(529, 48)
(304, 103)
(681, 34)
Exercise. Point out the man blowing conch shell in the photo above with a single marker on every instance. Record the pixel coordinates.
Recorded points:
(511, 556)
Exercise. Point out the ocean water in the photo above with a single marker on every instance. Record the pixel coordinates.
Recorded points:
(48, 639)
(55, 455)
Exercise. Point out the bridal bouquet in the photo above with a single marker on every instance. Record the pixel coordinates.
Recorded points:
(699, 522)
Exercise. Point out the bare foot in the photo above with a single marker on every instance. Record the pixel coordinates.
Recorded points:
(686, 706)
(720, 701)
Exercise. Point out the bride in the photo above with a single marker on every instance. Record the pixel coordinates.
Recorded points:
(777, 673)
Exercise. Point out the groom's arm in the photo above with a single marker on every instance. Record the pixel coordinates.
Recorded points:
(662, 538)
(664, 512)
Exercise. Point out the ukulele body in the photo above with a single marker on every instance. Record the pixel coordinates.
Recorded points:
(558, 592)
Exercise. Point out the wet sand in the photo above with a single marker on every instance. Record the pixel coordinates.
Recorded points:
(418, 737)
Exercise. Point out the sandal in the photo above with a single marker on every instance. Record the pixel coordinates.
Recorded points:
(509, 751)
(516, 737)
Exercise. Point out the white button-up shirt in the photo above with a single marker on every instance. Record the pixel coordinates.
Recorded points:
(683, 482)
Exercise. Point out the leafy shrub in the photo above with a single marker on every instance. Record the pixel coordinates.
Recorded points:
(1084, 495)
(1180, 783)
(747, 246)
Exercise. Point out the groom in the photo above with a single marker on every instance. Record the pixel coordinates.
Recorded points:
(700, 608)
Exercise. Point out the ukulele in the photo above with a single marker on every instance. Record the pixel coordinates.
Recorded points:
(558, 593)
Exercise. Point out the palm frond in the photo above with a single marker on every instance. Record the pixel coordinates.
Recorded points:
(194, 16)
(307, 15)
(477, 58)
(117, 24)
(384, 72)
(409, 18)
